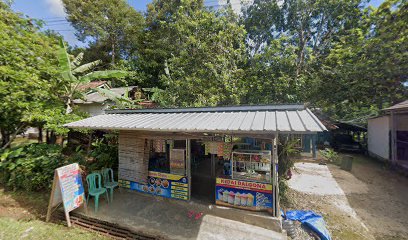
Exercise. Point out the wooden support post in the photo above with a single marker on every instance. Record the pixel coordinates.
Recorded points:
(51, 202)
(274, 176)
(188, 167)
(393, 138)
(212, 165)
(314, 150)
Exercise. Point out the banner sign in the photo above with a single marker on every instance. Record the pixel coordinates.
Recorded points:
(178, 161)
(161, 184)
(67, 188)
(255, 186)
(243, 194)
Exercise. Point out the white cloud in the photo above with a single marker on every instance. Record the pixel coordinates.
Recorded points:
(56, 7)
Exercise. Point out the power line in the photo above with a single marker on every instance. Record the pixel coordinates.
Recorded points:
(50, 18)
(62, 30)
(56, 21)
(57, 24)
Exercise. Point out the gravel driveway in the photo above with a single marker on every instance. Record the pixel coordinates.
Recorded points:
(367, 203)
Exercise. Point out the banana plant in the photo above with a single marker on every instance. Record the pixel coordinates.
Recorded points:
(76, 74)
(121, 102)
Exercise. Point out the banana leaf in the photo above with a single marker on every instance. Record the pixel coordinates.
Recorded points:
(103, 75)
(64, 63)
(86, 67)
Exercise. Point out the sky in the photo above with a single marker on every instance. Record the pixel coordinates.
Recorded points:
(52, 12)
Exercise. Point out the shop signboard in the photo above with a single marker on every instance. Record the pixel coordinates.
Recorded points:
(67, 188)
(244, 194)
(161, 184)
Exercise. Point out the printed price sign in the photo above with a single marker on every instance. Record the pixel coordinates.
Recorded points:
(67, 188)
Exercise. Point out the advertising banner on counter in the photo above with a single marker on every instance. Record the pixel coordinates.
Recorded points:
(243, 194)
(161, 184)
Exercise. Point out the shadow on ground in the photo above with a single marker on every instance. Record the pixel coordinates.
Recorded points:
(23, 205)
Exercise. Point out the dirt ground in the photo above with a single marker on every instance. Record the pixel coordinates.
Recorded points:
(370, 202)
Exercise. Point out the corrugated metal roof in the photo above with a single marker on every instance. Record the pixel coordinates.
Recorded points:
(91, 85)
(282, 107)
(230, 120)
(400, 106)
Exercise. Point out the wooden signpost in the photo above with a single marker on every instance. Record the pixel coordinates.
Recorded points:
(67, 189)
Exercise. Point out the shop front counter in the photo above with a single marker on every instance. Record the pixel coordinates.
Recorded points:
(247, 182)
(248, 195)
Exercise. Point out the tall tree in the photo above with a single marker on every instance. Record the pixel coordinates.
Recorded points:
(198, 61)
(27, 71)
(367, 68)
(109, 24)
(159, 42)
(287, 41)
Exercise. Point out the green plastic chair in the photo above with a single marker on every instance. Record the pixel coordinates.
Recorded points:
(95, 188)
(108, 181)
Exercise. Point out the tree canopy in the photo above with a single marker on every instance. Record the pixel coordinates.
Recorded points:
(28, 68)
(113, 27)
(342, 56)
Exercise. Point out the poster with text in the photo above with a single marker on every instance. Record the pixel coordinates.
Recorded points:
(70, 183)
(243, 194)
(161, 184)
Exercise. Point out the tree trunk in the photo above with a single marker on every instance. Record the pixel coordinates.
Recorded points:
(68, 109)
(52, 138)
(47, 137)
(113, 52)
(89, 142)
(5, 137)
(40, 134)
(12, 137)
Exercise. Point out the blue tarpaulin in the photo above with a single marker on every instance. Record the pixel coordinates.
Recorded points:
(311, 220)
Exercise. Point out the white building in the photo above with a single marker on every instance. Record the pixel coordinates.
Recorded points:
(388, 135)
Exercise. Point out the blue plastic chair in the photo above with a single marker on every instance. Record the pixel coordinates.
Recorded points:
(109, 181)
(95, 188)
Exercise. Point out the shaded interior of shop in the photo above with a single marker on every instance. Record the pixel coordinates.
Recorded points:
(211, 157)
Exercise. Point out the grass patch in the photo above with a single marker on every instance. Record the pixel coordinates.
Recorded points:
(32, 204)
(35, 229)
(22, 141)
(22, 216)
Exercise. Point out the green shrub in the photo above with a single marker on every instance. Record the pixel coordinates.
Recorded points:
(104, 153)
(283, 191)
(286, 152)
(30, 167)
(330, 155)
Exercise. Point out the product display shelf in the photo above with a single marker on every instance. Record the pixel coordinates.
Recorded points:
(253, 165)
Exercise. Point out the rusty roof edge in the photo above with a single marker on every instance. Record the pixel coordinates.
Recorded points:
(246, 108)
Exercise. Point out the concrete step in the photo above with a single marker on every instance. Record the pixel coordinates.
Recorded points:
(217, 228)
